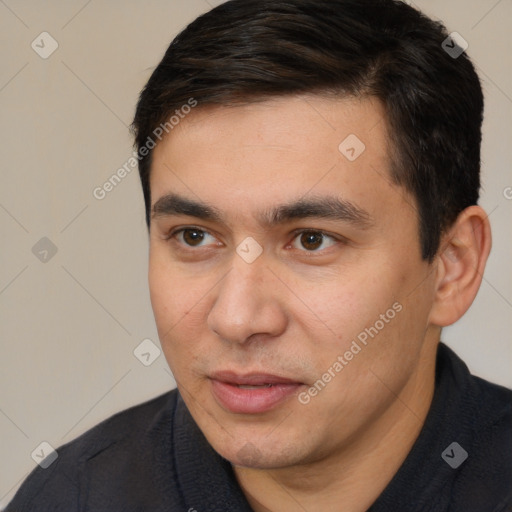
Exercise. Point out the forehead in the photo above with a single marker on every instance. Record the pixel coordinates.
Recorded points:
(285, 121)
(276, 151)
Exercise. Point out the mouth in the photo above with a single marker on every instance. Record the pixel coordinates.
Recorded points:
(251, 393)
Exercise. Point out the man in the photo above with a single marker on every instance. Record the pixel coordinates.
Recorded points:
(312, 210)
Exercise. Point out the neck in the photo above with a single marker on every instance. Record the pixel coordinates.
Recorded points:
(352, 479)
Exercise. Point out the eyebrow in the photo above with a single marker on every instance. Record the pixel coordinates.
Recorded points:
(324, 207)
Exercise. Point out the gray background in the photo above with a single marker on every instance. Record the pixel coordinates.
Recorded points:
(70, 323)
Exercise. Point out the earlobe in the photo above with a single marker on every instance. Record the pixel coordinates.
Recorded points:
(461, 262)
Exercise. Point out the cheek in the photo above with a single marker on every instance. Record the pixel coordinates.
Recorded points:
(347, 305)
(163, 298)
(176, 302)
(175, 331)
(372, 322)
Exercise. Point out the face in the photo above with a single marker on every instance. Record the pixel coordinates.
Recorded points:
(285, 275)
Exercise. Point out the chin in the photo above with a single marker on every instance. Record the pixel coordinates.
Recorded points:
(261, 454)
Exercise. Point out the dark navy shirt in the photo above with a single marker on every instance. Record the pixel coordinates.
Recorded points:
(153, 457)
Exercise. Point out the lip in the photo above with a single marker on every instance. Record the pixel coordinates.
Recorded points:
(224, 387)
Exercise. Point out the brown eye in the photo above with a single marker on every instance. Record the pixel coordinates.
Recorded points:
(311, 240)
(193, 237)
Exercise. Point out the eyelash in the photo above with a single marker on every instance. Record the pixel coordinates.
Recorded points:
(295, 234)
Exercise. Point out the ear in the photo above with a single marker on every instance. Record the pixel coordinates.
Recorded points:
(460, 266)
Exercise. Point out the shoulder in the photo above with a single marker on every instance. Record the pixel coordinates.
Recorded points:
(492, 426)
(488, 405)
(99, 458)
(487, 471)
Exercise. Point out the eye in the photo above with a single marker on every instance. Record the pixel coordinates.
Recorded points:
(313, 241)
(192, 237)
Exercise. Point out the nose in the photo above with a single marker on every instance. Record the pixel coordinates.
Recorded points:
(248, 304)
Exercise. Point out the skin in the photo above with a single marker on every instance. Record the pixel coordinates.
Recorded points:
(299, 306)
